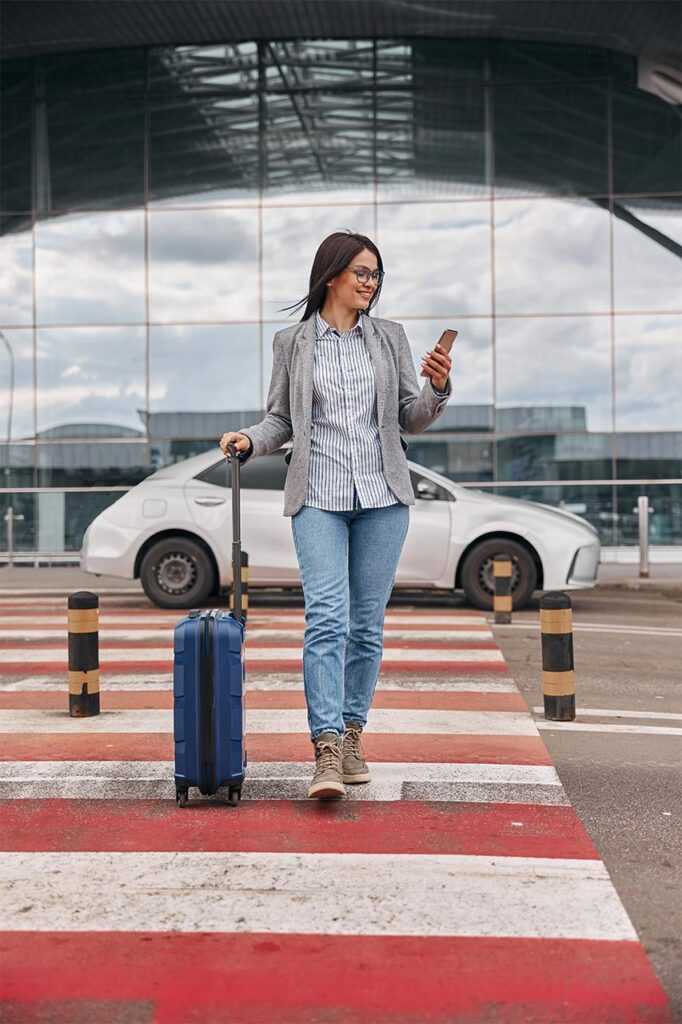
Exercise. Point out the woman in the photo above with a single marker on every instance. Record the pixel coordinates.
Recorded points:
(343, 385)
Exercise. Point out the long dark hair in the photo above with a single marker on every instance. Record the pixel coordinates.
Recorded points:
(334, 254)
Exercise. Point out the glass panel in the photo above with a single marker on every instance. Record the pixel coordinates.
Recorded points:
(16, 101)
(462, 459)
(169, 451)
(89, 122)
(552, 374)
(17, 403)
(92, 464)
(648, 372)
(291, 236)
(22, 531)
(319, 120)
(91, 380)
(471, 373)
(551, 255)
(595, 503)
(528, 59)
(203, 265)
(50, 523)
(431, 119)
(16, 465)
(554, 457)
(550, 138)
(665, 513)
(436, 257)
(53, 522)
(196, 371)
(649, 454)
(647, 251)
(16, 270)
(204, 124)
(90, 268)
(647, 143)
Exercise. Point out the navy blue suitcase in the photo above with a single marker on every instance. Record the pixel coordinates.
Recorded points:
(208, 687)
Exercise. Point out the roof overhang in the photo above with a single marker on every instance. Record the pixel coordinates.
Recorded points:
(30, 27)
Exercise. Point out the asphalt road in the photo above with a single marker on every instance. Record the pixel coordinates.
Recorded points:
(626, 787)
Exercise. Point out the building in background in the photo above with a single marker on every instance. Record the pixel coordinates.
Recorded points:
(167, 171)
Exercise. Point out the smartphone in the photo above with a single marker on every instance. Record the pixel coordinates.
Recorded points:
(447, 339)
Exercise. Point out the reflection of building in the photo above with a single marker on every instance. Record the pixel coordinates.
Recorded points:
(164, 184)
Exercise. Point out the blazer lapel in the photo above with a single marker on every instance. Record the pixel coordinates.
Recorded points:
(373, 343)
(305, 344)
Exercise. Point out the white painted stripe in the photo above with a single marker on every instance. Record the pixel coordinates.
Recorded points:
(288, 681)
(121, 780)
(587, 627)
(349, 894)
(500, 774)
(271, 720)
(643, 730)
(390, 655)
(110, 681)
(166, 635)
(617, 713)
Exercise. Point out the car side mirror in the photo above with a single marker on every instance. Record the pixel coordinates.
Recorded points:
(427, 491)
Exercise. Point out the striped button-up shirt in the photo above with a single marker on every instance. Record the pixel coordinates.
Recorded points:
(345, 451)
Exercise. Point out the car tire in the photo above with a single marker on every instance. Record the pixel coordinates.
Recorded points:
(176, 572)
(477, 573)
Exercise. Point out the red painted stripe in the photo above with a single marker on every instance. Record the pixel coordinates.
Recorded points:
(173, 978)
(34, 624)
(282, 826)
(276, 747)
(460, 668)
(282, 699)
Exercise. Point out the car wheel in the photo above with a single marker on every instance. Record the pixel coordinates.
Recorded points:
(177, 573)
(478, 581)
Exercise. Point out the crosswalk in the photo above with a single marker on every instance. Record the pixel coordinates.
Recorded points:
(459, 885)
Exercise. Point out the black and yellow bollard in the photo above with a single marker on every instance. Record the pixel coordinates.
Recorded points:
(558, 670)
(502, 601)
(83, 654)
(244, 562)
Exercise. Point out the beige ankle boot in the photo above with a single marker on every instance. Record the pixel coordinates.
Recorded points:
(354, 766)
(327, 781)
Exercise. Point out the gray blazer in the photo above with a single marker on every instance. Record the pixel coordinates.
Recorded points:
(400, 405)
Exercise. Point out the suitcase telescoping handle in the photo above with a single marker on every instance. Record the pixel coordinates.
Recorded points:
(236, 535)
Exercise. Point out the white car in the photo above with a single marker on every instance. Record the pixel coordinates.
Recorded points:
(173, 531)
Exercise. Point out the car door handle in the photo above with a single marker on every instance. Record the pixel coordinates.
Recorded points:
(209, 501)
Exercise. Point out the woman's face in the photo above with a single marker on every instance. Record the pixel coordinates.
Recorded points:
(347, 290)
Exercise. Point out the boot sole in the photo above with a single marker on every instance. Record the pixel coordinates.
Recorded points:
(326, 791)
(358, 777)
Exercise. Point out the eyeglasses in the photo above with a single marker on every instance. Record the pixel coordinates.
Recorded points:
(364, 275)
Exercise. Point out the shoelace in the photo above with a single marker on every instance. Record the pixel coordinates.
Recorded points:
(327, 756)
(353, 742)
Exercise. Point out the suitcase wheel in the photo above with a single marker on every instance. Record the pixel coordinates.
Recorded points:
(234, 795)
(181, 797)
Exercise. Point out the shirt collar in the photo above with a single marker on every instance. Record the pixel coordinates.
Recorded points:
(322, 326)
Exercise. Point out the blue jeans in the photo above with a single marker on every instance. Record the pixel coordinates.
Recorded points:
(348, 561)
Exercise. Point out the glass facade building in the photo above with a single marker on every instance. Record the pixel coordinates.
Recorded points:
(160, 207)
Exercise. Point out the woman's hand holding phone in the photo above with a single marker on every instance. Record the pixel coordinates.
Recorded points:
(437, 364)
